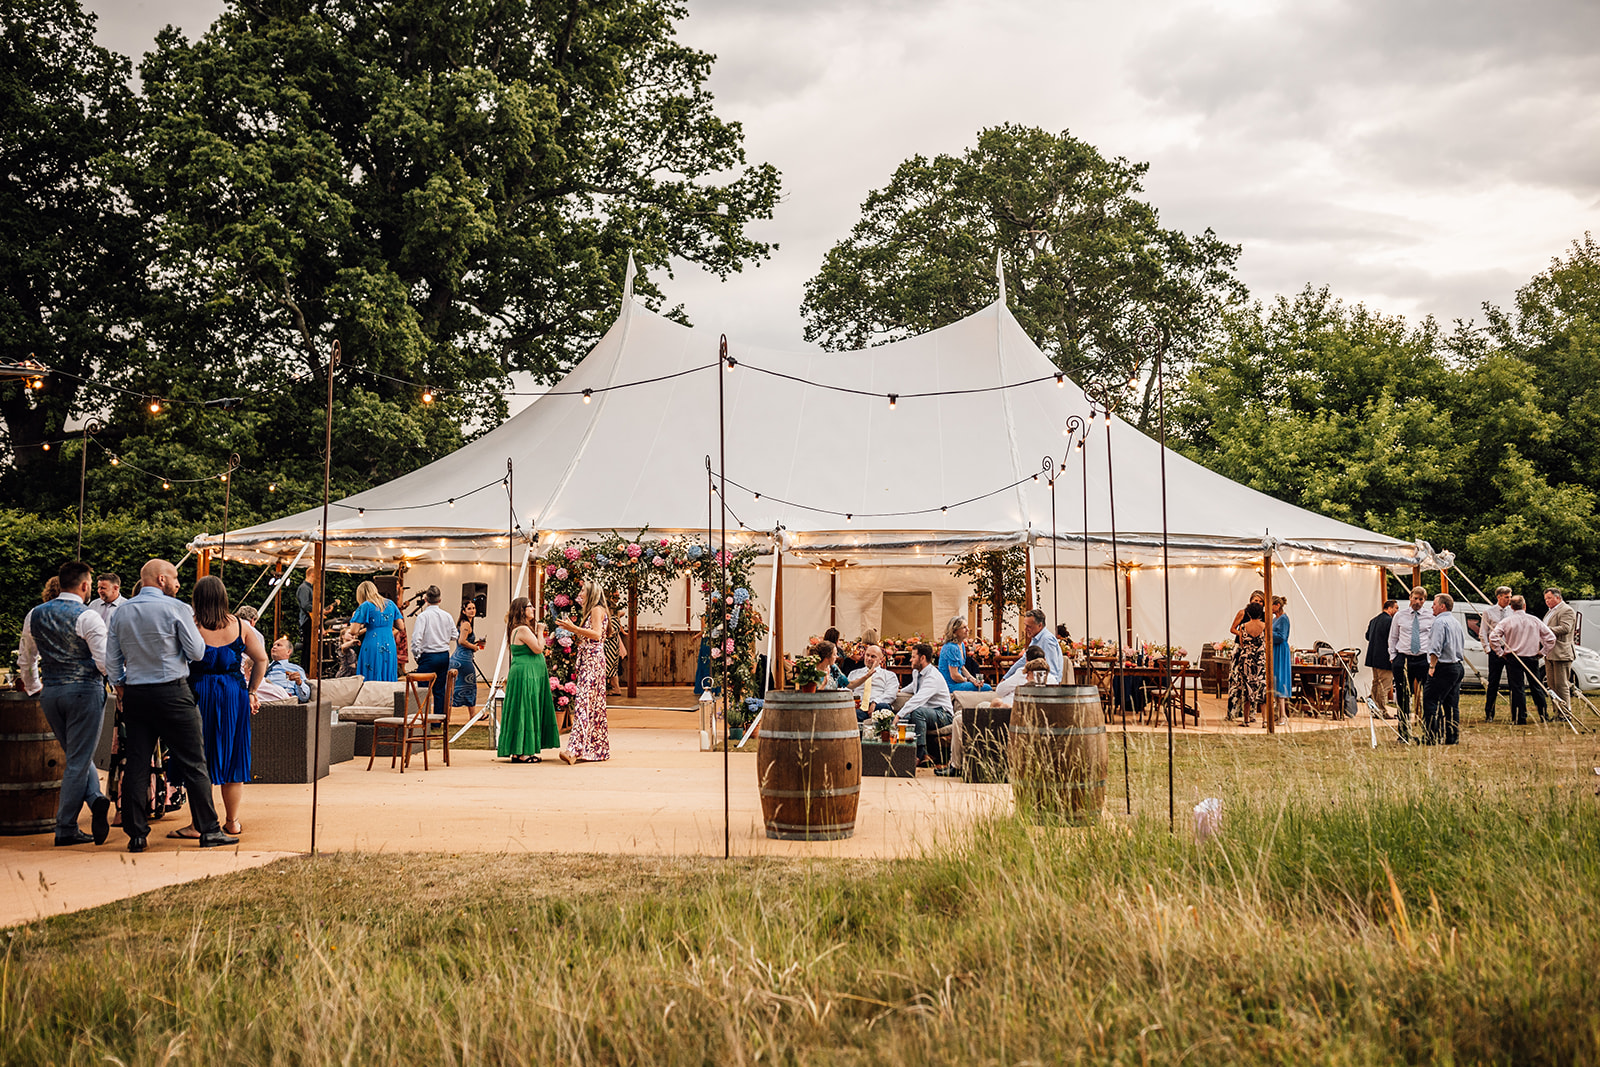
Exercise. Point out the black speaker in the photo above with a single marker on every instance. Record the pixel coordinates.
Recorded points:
(478, 593)
(388, 585)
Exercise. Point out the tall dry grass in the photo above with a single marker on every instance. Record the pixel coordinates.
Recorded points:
(1357, 907)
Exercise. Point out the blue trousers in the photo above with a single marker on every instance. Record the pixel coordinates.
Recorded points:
(76, 714)
(437, 664)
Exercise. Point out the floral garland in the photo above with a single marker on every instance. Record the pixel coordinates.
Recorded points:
(733, 625)
(643, 565)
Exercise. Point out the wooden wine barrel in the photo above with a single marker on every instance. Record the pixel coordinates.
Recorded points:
(32, 762)
(1058, 753)
(808, 765)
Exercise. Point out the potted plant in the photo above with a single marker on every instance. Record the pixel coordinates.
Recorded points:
(883, 723)
(807, 673)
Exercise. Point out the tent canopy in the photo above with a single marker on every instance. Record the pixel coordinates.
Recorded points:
(826, 471)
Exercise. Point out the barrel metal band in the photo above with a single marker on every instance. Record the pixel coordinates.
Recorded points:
(808, 735)
(29, 787)
(789, 793)
(1058, 731)
(28, 737)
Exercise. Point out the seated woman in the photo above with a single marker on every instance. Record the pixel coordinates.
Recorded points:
(827, 663)
(953, 659)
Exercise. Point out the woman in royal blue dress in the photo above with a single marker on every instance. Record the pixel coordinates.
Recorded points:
(376, 661)
(467, 644)
(225, 698)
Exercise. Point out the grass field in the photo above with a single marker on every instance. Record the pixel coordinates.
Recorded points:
(1359, 906)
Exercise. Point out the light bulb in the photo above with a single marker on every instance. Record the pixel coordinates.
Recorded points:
(155, 407)
(47, 446)
(758, 496)
(272, 487)
(732, 363)
(452, 501)
(427, 396)
(224, 477)
(588, 395)
(115, 462)
(892, 398)
(1061, 381)
(166, 484)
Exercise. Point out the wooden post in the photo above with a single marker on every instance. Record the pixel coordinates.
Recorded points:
(536, 594)
(1266, 591)
(688, 603)
(313, 636)
(998, 600)
(1127, 600)
(277, 603)
(833, 595)
(1416, 577)
(1028, 595)
(202, 565)
(1444, 580)
(778, 673)
(633, 634)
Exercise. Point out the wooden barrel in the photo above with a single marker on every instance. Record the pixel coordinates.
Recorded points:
(1058, 753)
(808, 765)
(32, 762)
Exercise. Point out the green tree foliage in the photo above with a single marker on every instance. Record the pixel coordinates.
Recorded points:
(1090, 273)
(451, 189)
(69, 244)
(1409, 430)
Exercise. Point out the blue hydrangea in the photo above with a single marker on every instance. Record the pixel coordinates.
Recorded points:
(741, 595)
(696, 551)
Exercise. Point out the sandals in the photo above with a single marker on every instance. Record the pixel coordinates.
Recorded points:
(526, 759)
(238, 828)
(184, 833)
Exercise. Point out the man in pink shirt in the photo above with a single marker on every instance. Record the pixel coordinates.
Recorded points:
(1522, 639)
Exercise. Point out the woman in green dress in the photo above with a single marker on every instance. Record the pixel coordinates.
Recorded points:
(528, 716)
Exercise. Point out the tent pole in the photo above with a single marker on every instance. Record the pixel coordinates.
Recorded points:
(312, 638)
(1127, 602)
(203, 566)
(727, 633)
(779, 674)
(633, 634)
(499, 661)
(1116, 607)
(1028, 577)
(319, 594)
(1266, 592)
(998, 599)
(277, 604)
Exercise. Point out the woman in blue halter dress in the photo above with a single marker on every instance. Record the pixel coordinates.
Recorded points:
(225, 697)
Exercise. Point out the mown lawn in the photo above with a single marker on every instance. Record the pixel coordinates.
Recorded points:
(1359, 906)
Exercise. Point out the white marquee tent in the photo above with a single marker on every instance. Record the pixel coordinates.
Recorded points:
(895, 487)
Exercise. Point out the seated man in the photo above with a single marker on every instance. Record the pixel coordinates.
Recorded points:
(290, 676)
(930, 707)
(1033, 662)
(877, 683)
(1032, 626)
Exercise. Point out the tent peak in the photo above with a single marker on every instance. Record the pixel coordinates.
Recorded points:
(627, 279)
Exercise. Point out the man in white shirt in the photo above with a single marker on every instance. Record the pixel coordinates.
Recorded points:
(290, 677)
(430, 643)
(930, 707)
(1493, 616)
(1004, 694)
(877, 683)
(1522, 639)
(110, 599)
(1408, 650)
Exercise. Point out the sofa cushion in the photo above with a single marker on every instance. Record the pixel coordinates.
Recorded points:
(364, 714)
(339, 692)
(378, 694)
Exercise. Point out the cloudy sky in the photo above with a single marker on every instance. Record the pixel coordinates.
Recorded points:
(1422, 156)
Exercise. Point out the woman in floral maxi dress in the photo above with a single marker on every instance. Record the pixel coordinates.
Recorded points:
(588, 739)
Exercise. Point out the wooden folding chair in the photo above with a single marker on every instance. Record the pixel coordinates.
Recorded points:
(403, 732)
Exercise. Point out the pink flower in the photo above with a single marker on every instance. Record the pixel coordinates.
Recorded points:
(570, 687)
(564, 701)
(562, 600)
(565, 641)
(659, 562)
(554, 685)
(728, 645)
(634, 551)
(572, 552)
(705, 587)
(665, 542)
(716, 653)
(550, 571)
(730, 601)
(561, 572)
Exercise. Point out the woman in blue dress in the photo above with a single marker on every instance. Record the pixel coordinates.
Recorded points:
(466, 694)
(1282, 661)
(376, 661)
(953, 659)
(225, 698)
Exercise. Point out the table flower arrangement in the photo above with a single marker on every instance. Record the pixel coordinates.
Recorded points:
(807, 673)
(884, 724)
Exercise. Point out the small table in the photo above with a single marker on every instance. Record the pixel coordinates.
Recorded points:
(897, 760)
(1308, 683)
(1185, 691)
